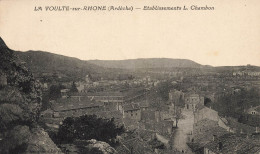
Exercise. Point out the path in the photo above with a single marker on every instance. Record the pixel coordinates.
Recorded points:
(185, 126)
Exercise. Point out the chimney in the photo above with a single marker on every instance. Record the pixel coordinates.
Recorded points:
(256, 129)
(79, 99)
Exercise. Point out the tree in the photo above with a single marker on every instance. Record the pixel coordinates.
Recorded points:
(55, 92)
(163, 90)
(88, 127)
(207, 102)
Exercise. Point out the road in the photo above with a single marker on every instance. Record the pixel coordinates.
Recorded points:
(185, 126)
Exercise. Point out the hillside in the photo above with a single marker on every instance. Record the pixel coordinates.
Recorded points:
(39, 61)
(237, 68)
(147, 63)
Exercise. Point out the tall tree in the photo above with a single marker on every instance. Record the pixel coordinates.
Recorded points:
(88, 127)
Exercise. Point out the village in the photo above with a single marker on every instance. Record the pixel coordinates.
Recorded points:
(153, 111)
(185, 123)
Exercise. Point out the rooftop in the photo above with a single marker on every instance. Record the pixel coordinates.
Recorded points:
(256, 108)
(73, 103)
(136, 145)
(210, 129)
(121, 93)
(131, 107)
(229, 143)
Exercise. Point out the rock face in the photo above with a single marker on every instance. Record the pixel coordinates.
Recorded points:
(20, 103)
(88, 147)
(23, 140)
(95, 146)
(20, 94)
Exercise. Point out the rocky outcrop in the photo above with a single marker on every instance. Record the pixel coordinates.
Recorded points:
(95, 146)
(88, 147)
(20, 94)
(22, 139)
(20, 103)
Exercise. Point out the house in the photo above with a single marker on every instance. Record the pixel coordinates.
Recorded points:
(237, 127)
(66, 107)
(158, 121)
(203, 112)
(134, 146)
(132, 111)
(118, 98)
(192, 100)
(233, 143)
(204, 132)
(207, 126)
(254, 110)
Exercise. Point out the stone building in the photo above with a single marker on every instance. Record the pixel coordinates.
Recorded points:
(192, 100)
(68, 107)
(254, 110)
(116, 99)
(132, 111)
(203, 112)
(208, 126)
(204, 132)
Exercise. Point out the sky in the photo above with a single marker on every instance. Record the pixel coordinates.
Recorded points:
(227, 36)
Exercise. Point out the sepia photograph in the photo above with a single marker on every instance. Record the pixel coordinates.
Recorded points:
(129, 77)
